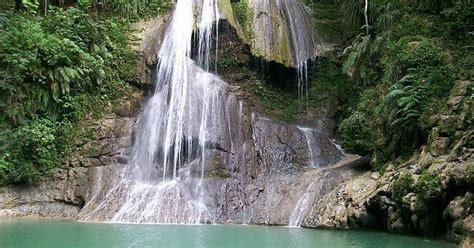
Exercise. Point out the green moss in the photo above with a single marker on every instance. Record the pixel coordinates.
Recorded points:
(402, 186)
(244, 15)
(280, 103)
(428, 186)
(229, 61)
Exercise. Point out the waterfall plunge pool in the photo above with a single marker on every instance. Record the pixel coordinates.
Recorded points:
(52, 233)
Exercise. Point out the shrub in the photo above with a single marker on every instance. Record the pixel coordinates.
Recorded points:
(356, 134)
(31, 151)
(428, 186)
(402, 186)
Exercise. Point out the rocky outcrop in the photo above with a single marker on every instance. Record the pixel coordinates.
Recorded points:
(280, 31)
(149, 33)
(67, 190)
(440, 201)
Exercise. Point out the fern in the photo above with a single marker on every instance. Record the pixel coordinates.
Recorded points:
(404, 103)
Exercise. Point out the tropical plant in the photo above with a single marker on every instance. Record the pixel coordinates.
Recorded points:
(404, 102)
(356, 134)
(53, 69)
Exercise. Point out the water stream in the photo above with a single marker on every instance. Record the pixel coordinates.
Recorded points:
(192, 122)
(162, 183)
(301, 208)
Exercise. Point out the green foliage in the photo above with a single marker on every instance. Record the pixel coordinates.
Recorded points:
(356, 135)
(428, 186)
(411, 76)
(54, 69)
(32, 150)
(404, 107)
(228, 61)
(245, 16)
(143, 8)
(32, 6)
(402, 186)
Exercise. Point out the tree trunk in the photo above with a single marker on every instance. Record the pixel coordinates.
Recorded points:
(366, 10)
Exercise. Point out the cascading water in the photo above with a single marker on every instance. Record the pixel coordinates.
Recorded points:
(284, 32)
(193, 128)
(162, 182)
(313, 147)
(301, 208)
(301, 41)
(319, 144)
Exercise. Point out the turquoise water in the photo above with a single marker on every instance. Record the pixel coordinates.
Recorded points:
(62, 233)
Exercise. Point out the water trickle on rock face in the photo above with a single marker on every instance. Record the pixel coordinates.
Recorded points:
(301, 208)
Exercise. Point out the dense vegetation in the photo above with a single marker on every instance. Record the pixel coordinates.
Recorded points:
(59, 62)
(401, 59)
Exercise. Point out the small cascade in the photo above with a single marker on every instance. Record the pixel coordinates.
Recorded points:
(208, 29)
(321, 149)
(301, 208)
(313, 147)
(284, 33)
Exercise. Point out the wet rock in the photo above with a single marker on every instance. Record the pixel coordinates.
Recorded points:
(122, 159)
(468, 242)
(458, 93)
(395, 220)
(440, 146)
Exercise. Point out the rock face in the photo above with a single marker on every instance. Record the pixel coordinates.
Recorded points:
(276, 30)
(444, 208)
(149, 33)
(257, 171)
(66, 191)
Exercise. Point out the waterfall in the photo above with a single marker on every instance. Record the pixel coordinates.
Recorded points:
(209, 21)
(303, 42)
(192, 128)
(301, 208)
(284, 32)
(162, 183)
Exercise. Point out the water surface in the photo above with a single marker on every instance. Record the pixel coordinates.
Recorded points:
(63, 233)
